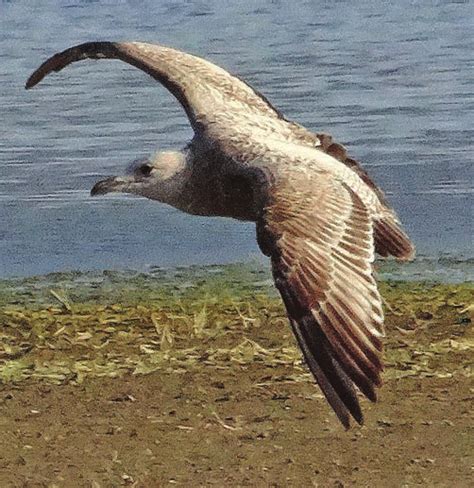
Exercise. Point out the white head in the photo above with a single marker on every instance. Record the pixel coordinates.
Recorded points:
(160, 177)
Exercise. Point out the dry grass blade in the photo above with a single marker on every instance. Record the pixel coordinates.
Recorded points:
(62, 300)
(200, 321)
(163, 330)
(222, 423)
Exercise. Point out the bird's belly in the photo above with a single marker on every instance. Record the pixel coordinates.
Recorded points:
(235, 209)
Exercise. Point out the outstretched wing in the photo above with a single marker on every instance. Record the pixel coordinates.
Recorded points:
(319, 236)
(223, 106)
(202, 88)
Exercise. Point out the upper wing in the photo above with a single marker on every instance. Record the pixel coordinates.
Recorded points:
(390, 239)
(201, 87)
(319, 236)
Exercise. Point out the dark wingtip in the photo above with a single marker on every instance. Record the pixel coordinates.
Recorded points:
(60, 60)
(342, 414)
(359, 418)
(346, 422)
(31, 82)
(36, 76)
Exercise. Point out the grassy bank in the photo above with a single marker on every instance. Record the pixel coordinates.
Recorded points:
(217, 336)
(67, 327)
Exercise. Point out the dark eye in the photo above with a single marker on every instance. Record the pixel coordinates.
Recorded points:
(145, 169)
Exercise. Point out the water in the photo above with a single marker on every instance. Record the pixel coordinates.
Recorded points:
(393, 82)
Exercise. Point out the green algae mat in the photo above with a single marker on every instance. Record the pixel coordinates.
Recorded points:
(191, 377)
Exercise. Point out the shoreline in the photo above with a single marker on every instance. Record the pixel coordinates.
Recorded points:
(442, 268)
(253, 272)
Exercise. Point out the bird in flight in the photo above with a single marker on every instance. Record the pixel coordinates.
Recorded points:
(319, 216)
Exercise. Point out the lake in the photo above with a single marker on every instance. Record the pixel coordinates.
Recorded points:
(392, 82)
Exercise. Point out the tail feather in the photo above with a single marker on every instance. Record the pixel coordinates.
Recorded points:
(390, 240)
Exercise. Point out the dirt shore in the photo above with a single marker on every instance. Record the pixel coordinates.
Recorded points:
(196, 381)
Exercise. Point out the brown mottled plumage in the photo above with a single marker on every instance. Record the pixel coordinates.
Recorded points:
(320, 217)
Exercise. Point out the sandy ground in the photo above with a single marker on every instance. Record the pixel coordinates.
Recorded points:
(206, 428)
(207, 392)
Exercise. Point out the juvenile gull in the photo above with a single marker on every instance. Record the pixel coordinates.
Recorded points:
(319, 216)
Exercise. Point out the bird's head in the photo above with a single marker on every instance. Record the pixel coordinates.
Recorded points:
(159, 177)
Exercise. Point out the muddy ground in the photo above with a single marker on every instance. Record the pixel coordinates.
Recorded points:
(194, 380)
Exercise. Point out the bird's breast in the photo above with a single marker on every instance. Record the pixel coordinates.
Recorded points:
(224, 192)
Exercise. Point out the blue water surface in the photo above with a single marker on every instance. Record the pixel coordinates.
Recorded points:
(392, 82)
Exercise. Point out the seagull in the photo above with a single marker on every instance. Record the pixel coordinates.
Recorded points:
(319, 216)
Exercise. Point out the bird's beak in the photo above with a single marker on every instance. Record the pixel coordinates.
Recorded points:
(109, 185)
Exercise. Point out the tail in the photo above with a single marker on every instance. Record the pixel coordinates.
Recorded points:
(391, 240)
